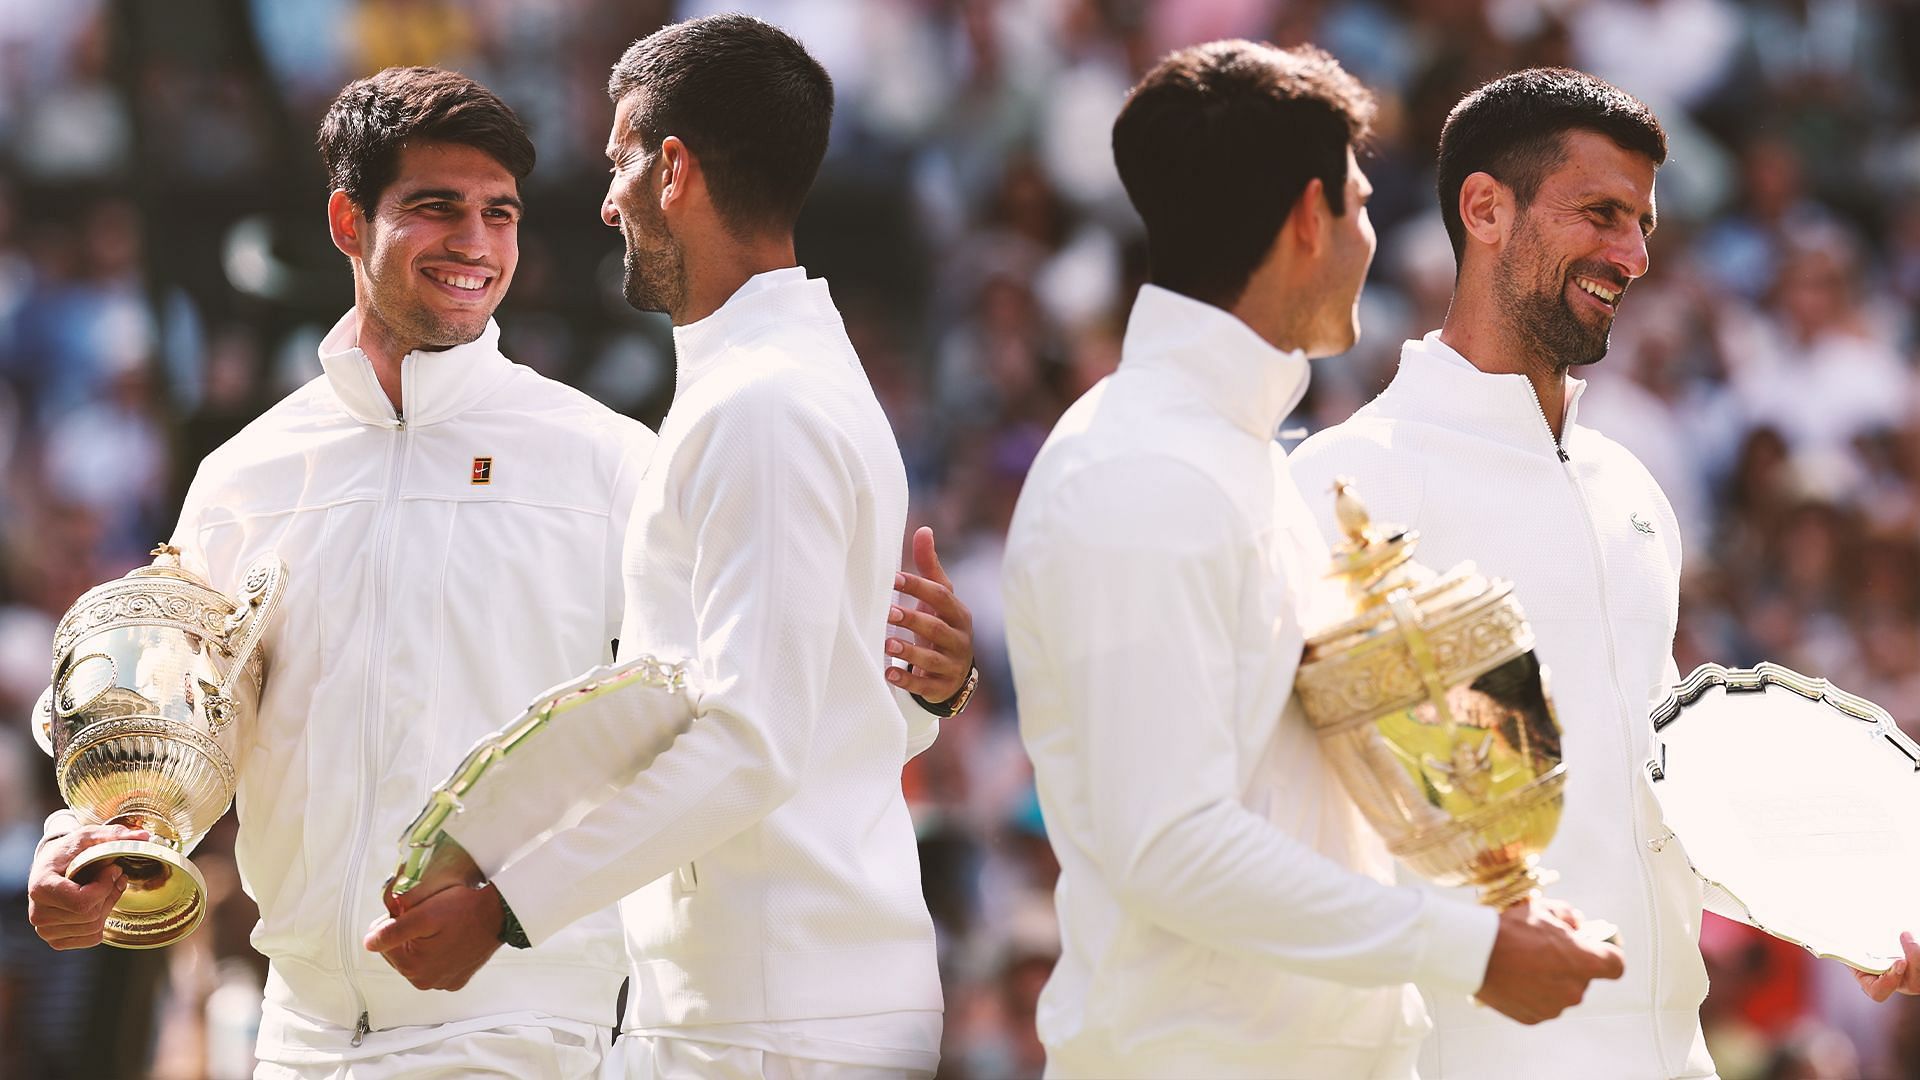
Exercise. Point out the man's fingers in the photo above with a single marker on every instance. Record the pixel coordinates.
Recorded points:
(932, 630)
(1613, 962)
(925, 661)
(58, 852)
(86, 941)
(926, 559)
(60, 894)
(927, 686)
(1879, 987)
(938, 598)
(388, 934)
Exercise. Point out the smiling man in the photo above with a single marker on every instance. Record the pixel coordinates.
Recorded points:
(1546, 184)
(453, 524)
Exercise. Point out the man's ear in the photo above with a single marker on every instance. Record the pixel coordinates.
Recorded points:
(1309, 224)
(679, 172)
(1486, 209)
(347, 225)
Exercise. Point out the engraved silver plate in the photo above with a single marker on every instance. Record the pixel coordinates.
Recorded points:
(1798, 805)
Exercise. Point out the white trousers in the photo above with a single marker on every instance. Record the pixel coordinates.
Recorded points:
(522, 1052)
(655, 1057)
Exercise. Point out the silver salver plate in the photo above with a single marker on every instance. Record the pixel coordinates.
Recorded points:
(1798, 805)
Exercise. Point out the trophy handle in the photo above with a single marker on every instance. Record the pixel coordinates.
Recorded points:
(42, 722)
(265, 582)
(424, 838)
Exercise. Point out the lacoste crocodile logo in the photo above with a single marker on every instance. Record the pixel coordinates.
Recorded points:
(1642, 524)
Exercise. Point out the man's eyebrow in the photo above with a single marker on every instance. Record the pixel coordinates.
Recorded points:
(420, 195)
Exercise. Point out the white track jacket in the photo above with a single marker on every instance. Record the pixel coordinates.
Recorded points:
(442, 571)
(1593, 550)
(771, 861)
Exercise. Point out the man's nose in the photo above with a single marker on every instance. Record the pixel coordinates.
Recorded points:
(1629, 253)
(609, 213)
(469, 237)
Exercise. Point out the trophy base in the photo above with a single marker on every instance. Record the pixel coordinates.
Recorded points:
(165, 899)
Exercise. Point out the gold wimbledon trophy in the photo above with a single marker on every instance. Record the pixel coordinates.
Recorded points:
(152, 675)
(1431, 706)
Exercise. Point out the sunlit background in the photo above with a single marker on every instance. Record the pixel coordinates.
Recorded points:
(165, 274)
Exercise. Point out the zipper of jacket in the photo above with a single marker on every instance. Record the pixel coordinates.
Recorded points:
(1613, 678)
(369, 718)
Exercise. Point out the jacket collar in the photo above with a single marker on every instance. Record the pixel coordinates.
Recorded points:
(436, 385)
(1437, 385)
(772, 298)
(1236, 371)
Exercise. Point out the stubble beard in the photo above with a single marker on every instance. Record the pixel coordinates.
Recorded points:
(1550, 331)
(656, 270)
(407, 318)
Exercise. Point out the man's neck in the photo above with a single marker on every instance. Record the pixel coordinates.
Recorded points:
(714, 280)
(384, 351)
(1486, 343)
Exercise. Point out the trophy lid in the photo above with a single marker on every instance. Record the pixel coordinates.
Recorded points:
(166, 563)
(162, 593)
(1375, 562)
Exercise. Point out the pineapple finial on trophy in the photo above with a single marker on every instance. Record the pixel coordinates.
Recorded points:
(1374, 560)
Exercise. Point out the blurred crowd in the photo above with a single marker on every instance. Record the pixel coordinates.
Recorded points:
(165, 274)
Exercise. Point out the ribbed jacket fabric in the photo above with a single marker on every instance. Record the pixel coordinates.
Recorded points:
(771, 848)
(421, 606)
(1593, 550)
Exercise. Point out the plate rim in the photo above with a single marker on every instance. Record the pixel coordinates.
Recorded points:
(1753, 680)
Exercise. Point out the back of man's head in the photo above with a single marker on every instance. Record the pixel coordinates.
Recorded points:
(746, 98)
(361, 135)
(1513, 129)
(1217, 143)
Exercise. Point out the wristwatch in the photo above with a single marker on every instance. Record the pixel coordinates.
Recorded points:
(951, 707)
(511, 932)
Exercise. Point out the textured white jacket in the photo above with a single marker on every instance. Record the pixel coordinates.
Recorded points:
(775, 862)
(1222, 904)
(441, 572)
(1593, 550)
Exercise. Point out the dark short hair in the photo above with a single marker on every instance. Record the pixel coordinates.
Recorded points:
(365, 127)
(746, 98)
(1513, 129)
(1218, 142)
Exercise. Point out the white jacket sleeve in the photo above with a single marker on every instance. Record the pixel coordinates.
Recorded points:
(1133, 600)
(923, 727)
(771, 506)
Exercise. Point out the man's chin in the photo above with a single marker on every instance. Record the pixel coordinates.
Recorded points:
(640, 301)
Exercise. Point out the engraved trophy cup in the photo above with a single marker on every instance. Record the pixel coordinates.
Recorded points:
(152, 675)
(1432, 708)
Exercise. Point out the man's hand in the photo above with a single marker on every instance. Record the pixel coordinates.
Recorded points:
(71, 914)
(1903, 976)
(450, 867)
(1540, 967)
(941, 652)
(440, 941)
